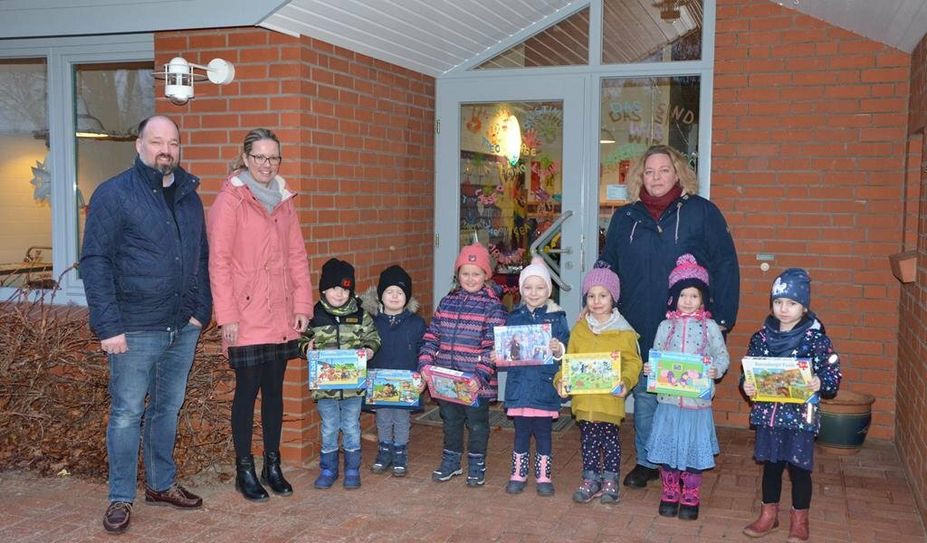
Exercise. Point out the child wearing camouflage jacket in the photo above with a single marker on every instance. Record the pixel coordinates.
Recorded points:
(339, 322)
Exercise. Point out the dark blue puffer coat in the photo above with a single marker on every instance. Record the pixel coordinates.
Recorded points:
(400, 339)
(643, 252)
(145, 269)
(533, 386)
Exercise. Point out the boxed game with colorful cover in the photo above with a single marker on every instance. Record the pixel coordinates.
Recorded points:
(679, 374)
(525, 345)
(591, 373)
(337, 369)
(392, 388)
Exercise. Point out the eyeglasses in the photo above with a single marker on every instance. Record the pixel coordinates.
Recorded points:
(261, 159)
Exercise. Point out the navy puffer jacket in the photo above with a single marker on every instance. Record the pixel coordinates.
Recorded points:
(643, 252)
(533, 386)
(143, 268)
(401, 336)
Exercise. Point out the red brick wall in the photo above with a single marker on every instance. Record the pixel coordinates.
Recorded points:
(808, 165)
(357, 138)
(911, 421)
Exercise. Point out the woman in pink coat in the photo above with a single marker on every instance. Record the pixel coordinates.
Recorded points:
(262, 295)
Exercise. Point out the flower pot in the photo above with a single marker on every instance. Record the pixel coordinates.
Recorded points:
(904, 266)
(845, 422)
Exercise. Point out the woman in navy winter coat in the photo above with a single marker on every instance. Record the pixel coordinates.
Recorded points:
(665, 219)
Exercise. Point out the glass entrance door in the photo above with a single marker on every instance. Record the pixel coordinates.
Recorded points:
(510, 175)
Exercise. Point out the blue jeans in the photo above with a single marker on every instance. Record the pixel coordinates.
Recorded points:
(340, 415)
(156, 365)
(645, 405)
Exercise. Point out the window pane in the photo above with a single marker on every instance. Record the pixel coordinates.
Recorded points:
(563, 44)
(110, 101)
(638, 113)
(25, 180)
(508, 199)
(651, 30)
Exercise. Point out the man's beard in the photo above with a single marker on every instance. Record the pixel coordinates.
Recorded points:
(165, 169)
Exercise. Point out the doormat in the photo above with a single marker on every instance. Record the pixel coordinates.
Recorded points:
(497, 418)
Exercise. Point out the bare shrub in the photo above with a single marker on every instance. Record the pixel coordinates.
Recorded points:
(54, 401)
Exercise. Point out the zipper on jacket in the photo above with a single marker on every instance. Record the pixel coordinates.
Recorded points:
(338, 343)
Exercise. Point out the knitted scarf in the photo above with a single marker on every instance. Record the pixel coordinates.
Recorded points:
(615, 322)
(269, 195)
(656, 205)
(785, 343)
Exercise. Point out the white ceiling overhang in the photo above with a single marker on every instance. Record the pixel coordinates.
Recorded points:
(434, 36)
(898, 23)
(427, 36)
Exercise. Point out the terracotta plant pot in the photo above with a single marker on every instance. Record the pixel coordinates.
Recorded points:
(904, 266)
(844, 422)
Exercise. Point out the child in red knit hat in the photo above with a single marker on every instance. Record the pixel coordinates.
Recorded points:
(460, 337)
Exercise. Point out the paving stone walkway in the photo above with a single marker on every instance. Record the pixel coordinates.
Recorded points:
(859, 498)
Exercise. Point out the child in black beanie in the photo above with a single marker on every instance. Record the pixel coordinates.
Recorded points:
(401, 331)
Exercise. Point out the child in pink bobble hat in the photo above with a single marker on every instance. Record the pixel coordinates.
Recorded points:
(683, 442)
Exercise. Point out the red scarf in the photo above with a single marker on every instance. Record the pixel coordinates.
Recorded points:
(657, 205)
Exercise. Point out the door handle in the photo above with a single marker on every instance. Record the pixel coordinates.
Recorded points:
(544, 239)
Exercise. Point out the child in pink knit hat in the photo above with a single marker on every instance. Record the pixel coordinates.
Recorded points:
(460, 337)
(683, 441)
(602, 329)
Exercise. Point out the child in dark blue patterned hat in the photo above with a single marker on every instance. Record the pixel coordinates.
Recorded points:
(785, 431)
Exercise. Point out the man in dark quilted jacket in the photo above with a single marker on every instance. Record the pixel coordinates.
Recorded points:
(144, 267)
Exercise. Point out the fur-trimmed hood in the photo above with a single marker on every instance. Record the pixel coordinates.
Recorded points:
(371, 303)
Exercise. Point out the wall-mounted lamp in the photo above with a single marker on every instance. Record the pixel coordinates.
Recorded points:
(606, 136)
(179, 75)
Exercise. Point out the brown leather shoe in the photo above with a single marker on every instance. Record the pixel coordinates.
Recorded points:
(176, 496)
(117, 516)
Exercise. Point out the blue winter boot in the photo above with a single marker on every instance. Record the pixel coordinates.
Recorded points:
(476, 469)
(384, 458)
(450, 466)
(352, 464)
(328, 463)
(400, 460)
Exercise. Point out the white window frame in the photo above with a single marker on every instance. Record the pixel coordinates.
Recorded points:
(61, 56)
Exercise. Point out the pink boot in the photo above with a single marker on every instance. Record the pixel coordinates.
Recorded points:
(516, 482)
(669, 499)
(688, 503)
(542, 474)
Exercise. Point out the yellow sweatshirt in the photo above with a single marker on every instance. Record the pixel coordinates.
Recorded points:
(620, 337)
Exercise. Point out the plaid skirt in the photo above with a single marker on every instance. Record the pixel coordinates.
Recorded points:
(248, 356)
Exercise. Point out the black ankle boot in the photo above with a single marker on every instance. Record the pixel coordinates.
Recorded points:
(272, 476)
(246, 480)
